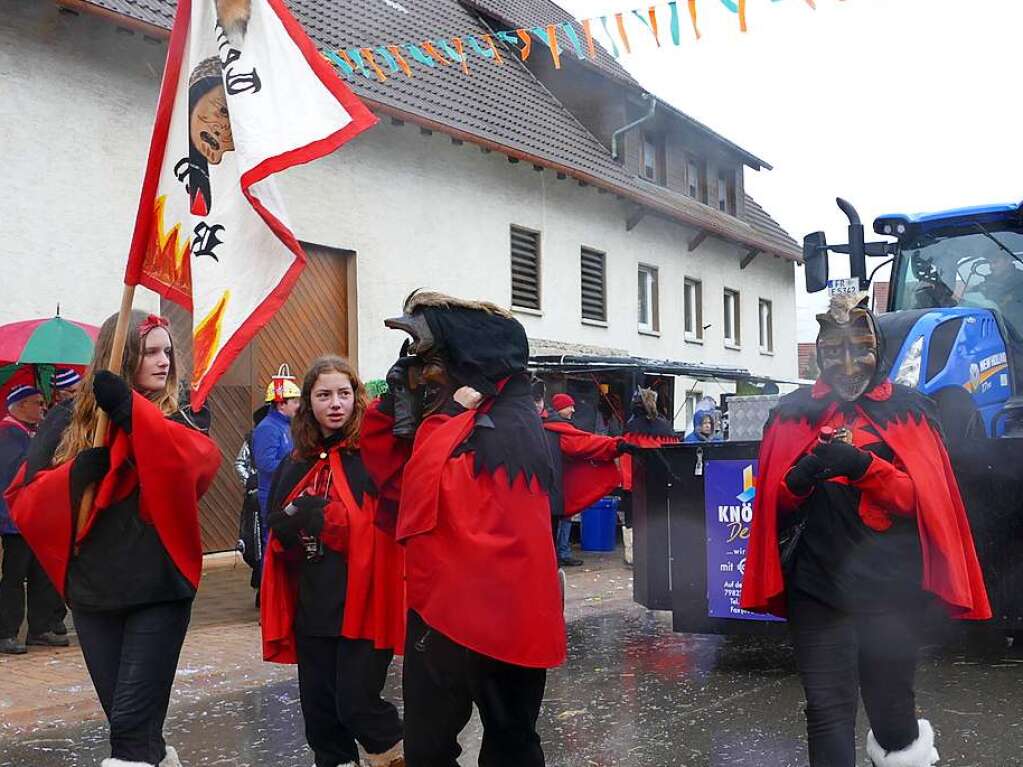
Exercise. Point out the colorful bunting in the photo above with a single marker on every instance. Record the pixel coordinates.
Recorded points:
(363, 61)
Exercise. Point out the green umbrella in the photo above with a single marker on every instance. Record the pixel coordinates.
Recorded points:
(53, 341)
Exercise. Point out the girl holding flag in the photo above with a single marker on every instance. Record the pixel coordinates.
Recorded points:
(131, 571)
(333, 576)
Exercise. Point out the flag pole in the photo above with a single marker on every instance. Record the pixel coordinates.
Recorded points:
(113, 365)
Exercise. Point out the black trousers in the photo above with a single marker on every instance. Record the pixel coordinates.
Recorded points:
(340, 681)
(132, 656)
(843, 655)
(441, 682)
(20, 567)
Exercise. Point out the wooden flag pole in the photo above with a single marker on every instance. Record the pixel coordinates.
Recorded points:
(113, 365)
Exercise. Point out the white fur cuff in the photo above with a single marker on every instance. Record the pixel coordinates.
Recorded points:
(111, 762)
(920, 753)
(171, 759)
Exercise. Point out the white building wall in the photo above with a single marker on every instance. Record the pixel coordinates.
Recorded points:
(76, 110)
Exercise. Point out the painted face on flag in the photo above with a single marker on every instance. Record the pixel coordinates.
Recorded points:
(209, 126)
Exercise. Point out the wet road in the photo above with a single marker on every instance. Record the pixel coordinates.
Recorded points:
(632, 694)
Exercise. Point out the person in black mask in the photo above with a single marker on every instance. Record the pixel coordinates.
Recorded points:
(857, 520)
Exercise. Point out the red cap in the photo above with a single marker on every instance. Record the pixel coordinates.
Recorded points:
(561, 401)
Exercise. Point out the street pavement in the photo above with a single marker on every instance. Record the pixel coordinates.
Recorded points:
(632, 694)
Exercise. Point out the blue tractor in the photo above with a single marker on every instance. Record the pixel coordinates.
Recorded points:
(954, 330)
(954, 322)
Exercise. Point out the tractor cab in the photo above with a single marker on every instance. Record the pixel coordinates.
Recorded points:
(954, 322)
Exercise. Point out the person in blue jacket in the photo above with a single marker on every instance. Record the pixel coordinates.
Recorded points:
(271, 439)
(703, 427)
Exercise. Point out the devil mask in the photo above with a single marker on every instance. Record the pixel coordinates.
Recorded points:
(459, 343)
(848, 347)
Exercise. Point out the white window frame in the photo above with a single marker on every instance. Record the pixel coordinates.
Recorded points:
(692, 400)
(766, 329)
(722, 191)
(732, 316)
(692, 309)
(692, 178)
(647, 323)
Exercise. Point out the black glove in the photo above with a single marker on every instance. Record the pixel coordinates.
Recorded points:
(89, 467)
(628, 447)
(805, 474)
(310, 513)
(404, 404)
(842, 459)
(113, 395)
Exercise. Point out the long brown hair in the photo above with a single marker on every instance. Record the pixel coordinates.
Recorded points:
(78, 436)
(305, 431)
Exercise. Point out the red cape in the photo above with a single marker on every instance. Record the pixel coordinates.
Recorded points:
(951, 570)
(375, 592)
(589, 471)
(479, 555)
(172, 465)
(651, 441)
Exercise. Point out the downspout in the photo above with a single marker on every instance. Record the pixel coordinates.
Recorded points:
(630, 126)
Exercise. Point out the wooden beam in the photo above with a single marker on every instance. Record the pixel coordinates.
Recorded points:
(425, 131)
(748, 258)
(638, 211)
(396, 122)
(538, 168)
(697, 241)
(561, 176)
(456, 141)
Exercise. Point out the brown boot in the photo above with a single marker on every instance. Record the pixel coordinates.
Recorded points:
(392, 757)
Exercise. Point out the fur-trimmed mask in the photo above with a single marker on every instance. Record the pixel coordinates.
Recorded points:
(848, 346)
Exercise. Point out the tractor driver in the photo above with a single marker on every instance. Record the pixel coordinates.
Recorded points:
(1004, 286)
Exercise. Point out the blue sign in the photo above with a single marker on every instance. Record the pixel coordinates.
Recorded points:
(729, 487)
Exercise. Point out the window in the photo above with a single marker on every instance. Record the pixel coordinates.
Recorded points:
(647, 298)
(696, 179)
(692, 403)
(692, 307)
(594, 287)
(726, 192)
(525, 268)
(766, 326)
(653, 158)
(732, 335)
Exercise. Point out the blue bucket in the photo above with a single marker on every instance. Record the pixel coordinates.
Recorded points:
(599, 525)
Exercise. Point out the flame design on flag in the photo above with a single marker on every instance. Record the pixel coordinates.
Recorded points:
(167, 259)
(206, 340)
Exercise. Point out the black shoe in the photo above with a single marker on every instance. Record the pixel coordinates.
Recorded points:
(10, 646)
(48, 639)
(60, 629)
(570, 562)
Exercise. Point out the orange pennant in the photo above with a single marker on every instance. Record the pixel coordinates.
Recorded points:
(457, 42)
(742, 15)
(589, 37)
(490, 44)
(434, 53)
(552, 38)
(653, 25)
(373, 63)
(621, 31)
(527, 42)
(396, 52)
(692, 15)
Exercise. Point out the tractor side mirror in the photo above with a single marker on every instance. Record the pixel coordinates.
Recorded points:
(815, 261)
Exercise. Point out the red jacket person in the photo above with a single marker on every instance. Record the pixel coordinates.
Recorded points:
(458, 442)
(857, 520)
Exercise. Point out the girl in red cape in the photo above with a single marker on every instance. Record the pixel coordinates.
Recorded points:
(332, 596)
(857, 518)
(130, 574)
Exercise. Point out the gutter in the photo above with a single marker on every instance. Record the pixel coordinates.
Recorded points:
(633, 124)
(118, 19)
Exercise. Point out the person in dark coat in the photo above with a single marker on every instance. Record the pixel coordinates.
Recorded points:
(22, 574)
(333, 598)
(857, 523)
(130, 572)
(458, 443)
(271, 437)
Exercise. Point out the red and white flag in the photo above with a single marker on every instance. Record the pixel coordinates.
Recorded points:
(245, 95)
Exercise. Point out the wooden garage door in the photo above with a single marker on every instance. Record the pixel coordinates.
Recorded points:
(313, 321)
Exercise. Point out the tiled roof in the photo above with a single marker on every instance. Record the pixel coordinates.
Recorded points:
(501, 106)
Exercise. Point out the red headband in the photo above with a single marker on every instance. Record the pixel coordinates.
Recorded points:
(152, 322)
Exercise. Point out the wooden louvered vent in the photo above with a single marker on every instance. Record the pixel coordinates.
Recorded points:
(525, 268)
(594, 285)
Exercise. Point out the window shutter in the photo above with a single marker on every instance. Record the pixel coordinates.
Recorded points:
(592, 279)
(525, 268)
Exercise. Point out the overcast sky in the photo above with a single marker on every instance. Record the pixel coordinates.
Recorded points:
(896, 105)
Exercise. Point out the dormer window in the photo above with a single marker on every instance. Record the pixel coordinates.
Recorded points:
(653, 158)
(726, 192)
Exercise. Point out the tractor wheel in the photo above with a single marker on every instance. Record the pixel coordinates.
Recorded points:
(958, 414)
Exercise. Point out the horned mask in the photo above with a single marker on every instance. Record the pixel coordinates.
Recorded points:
(848, 346)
